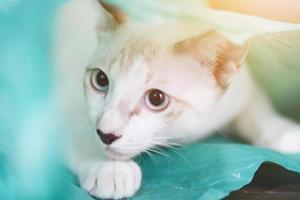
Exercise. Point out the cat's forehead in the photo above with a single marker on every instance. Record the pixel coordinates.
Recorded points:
(125, 47)
(173, 75)
(121, 53)
(134, 59)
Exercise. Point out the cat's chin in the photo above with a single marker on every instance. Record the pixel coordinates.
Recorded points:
(118, 155)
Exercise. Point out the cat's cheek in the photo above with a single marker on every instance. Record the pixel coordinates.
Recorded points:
(94, 108)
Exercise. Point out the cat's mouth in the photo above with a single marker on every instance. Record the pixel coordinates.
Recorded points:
(118, 154)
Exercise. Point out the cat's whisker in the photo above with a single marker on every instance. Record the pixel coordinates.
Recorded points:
(221, 131)
(173, 149)
(140, 157)
(158, 152)
(151, 157)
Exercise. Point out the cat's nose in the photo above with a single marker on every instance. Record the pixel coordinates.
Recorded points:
(107, 138)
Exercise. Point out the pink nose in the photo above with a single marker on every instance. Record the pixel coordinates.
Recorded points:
(107, 138)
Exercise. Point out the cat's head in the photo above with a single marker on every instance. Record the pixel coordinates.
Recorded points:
(143, 92)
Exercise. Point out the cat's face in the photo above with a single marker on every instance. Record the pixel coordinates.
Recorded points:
(141, 93)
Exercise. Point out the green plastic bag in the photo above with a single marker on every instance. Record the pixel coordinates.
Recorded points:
(208, 170)
(30, 146)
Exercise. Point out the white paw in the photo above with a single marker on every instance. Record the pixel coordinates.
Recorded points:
(289, 142)
(113, 179)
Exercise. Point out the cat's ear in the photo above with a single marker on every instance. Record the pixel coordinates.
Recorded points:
(215, 51)
(110, 18)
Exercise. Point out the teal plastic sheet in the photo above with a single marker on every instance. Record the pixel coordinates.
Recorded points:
(203, 171)
(208, 170)
(31, 135)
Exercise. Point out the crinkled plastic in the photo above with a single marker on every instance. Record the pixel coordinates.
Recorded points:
(208, 170)
(28, 121)
(204, 171)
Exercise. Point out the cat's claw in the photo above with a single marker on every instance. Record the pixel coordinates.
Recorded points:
(113, 179)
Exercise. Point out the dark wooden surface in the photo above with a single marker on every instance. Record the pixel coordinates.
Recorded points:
(271, 182)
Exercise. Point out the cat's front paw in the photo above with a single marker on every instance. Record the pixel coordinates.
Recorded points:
(113, 179)
(289, 142)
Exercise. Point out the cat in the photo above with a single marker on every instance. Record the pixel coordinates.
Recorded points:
(147, 85)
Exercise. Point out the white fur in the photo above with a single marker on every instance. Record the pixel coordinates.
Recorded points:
(106, 171)
(112, 179)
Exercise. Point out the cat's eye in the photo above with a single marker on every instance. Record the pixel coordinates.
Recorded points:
(156, 100)
(99, 80)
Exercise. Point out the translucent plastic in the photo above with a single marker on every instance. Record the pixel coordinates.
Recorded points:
(30, 166)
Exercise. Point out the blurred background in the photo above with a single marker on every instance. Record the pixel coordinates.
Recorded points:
(282, 10)
(30, 127)
(281, 81)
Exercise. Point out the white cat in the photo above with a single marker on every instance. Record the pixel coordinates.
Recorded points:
(148, 85)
